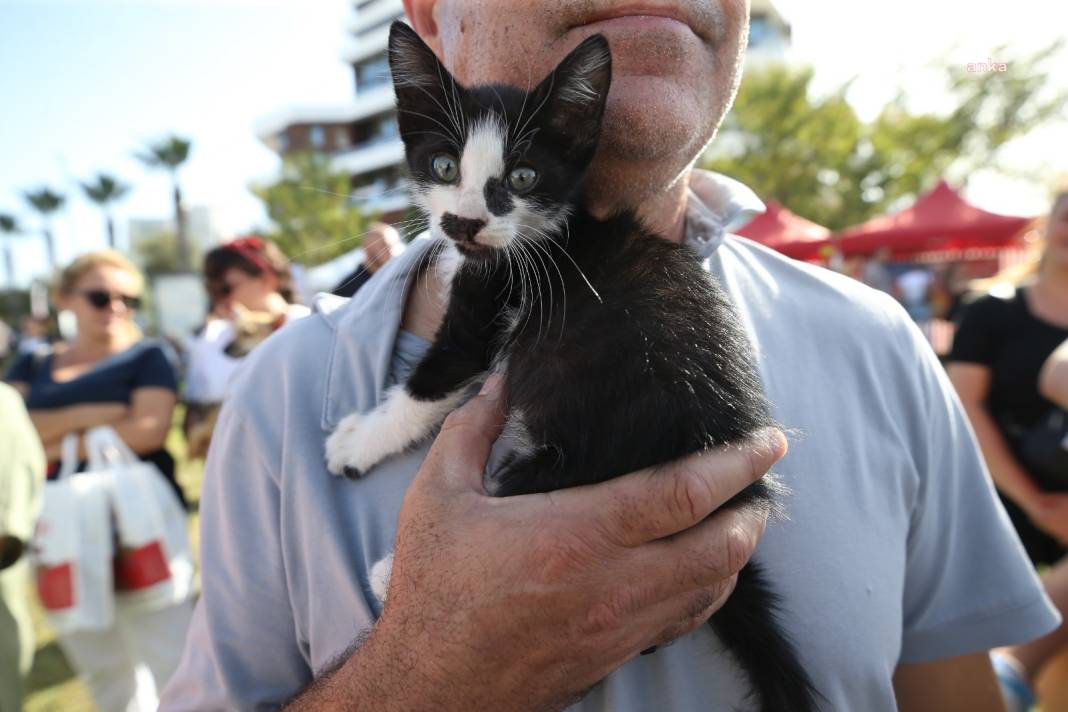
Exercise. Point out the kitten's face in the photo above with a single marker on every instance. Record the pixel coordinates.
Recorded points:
(493, 166)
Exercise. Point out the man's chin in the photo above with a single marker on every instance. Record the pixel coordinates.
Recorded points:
(653, 119)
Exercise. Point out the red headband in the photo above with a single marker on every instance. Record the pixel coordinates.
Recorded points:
(251, 248)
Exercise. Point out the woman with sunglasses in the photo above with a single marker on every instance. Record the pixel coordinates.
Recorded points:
(109, 375)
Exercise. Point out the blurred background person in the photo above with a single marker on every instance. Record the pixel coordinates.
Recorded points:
(34, 334)
(876, 274)
(250, 286)
(913, 289)
(22, 467)
(381, 244)
(109, 375)
(1004, 340)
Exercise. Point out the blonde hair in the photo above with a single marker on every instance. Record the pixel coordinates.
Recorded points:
(82, 265)
(1027, 268)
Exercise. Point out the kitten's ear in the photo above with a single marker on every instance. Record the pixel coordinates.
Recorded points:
(420, 81)
(576, 92)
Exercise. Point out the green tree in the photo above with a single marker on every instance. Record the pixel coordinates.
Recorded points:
(46, 202)
(169, 154)
(313, 218)
(105, 191)
(9, 226)
(158, 253)
(817, 157)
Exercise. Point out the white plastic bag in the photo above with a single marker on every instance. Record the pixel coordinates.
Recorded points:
(153, 563)
(72, 548)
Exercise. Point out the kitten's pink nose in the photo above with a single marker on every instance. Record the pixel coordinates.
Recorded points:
(461, 229)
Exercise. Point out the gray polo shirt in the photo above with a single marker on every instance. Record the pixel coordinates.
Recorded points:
(896, 548)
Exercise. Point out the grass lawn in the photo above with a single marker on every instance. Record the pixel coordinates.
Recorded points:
(53, 686)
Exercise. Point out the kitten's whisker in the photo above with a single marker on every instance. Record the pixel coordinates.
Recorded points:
(537, 290)
(320, 248)
(420, 87)
(523, 107)
(456, 139)
(448, 139)
(579, 269)
(545, 246)
(454, 106)
(549, 93)
(546, 249)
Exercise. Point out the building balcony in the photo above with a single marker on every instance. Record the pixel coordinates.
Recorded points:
(374, 42)
(370, 156)
(382, 197)
(375, 13)
(369, 103)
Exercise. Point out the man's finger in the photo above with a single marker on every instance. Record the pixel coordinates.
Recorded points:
(660, 501)
(459, 454)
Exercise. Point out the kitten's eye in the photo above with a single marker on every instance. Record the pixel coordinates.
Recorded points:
(522, 179)
(445, 168)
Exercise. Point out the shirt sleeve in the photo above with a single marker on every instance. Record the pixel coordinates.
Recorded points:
(241, 651)
(22, 370)
(977, 335)
(22, 468)
(969, 586)
(155, 369)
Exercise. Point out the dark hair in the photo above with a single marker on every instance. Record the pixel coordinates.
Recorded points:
(254, 256)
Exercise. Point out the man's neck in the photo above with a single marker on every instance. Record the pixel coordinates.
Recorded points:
(663, 210)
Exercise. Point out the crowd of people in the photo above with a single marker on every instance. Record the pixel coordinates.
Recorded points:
(110, 374)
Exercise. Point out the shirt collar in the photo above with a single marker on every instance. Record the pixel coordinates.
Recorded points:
(715, 204)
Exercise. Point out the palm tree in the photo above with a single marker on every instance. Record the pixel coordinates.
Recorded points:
(45, 202)
(105, 191)
(9, 226)
(170, 153)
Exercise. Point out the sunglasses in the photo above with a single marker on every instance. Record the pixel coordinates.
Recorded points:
(102, 299)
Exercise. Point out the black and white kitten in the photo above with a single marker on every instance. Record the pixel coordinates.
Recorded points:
(621, 351)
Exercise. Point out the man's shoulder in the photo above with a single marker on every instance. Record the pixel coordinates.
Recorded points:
(291, 357)
(798, 293)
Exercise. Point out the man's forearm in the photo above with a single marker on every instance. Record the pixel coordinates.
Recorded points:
(373, 676)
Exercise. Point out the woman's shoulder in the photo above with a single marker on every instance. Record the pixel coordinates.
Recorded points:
(1000, 301)
(151, 354)
(29, 364)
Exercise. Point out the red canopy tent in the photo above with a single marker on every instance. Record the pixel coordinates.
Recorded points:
(785, 232)
(941, 221)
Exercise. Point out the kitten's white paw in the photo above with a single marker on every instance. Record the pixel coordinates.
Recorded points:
(349, 449)
(380, 578)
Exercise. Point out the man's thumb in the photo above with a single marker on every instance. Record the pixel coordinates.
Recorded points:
(459, 454)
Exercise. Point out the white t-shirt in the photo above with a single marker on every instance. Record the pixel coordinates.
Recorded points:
(210, 370)
(914, 285)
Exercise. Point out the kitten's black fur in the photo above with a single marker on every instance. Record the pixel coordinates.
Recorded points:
(643, 362)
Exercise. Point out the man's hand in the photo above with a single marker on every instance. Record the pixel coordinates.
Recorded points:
(524, 603)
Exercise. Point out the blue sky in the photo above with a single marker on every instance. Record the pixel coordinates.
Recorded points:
(85, 83)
